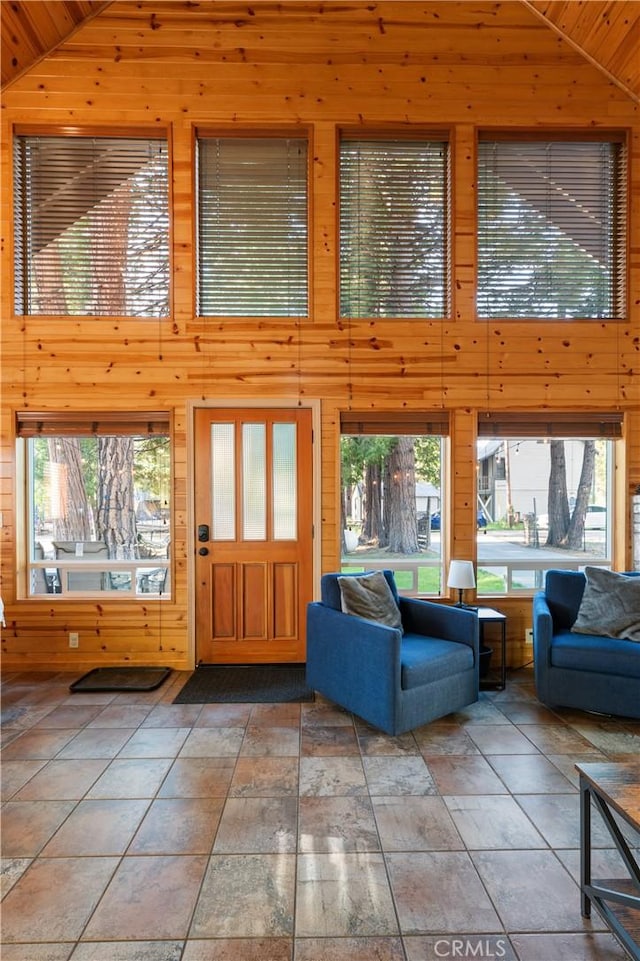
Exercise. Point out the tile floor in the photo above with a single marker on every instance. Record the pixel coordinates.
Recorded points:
(134, 829)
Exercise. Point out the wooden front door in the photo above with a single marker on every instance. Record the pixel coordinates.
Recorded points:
(253, 536)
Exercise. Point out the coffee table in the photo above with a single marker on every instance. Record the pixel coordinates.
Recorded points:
(613, 788)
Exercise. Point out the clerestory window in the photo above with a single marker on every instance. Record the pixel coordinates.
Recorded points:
(394, 226)
(552, 228)
(91, 225)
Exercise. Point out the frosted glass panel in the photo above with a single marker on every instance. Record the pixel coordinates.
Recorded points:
(285, 494)
(254, 487)
(223, 475)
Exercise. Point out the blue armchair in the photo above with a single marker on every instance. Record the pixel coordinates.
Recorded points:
(591, 672)
(394, 678)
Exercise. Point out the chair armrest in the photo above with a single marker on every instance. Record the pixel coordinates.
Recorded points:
(542, 629)
(349, 643)
(440, 620)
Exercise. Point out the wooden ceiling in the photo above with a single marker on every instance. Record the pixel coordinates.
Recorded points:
(605, 32)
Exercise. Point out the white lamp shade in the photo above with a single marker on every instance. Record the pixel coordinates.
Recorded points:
(461, 575)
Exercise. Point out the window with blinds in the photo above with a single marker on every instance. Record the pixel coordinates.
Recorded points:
(394, 232)
(99, 503)
(91, 226)
(252, 227)
(552, 233)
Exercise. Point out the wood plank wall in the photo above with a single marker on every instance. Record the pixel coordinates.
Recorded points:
(177, 65)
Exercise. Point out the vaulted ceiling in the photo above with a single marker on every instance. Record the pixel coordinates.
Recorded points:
(605, 32)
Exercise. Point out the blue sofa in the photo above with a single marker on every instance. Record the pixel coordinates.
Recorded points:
(396, 679)
(586, 671)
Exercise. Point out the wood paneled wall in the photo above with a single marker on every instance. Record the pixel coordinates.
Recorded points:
(177, 65)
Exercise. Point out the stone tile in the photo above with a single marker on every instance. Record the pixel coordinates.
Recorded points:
(239, 949)
(501, 739)
(11, 870)
(444, 738)
(376, 743)
(348, 949)
(265, 777)
(246, 896)
(97, 828)
(223, 715)
(37, 952)
(465, 775)
(96, 743)
(72, 716)
(462, 946)
(329, 740)
(129, 951)
(337, 824)
(36, 743)
(257, 825)
(321, 776)
(398, 775)
(213, 742)
(28, 825)
(440, 892)
(155, 742)
(587, 946)
(148, 898)
(62, 780)
(557, 739)
(54, 899)
(415, 824)
(343, 895)
(15, 774)
(172, 715)
(271, 741)
(276, 715)
(557, 818)
(530, 774)
(198, 777)
(138, 778)
(531, 891)
(178, 826)
(492, 822)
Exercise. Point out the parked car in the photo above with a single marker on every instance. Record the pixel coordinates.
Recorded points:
(595, 518)
(481, 520)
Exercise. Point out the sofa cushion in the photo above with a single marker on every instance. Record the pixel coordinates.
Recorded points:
(610, 605)
(592, 652)
(369, 596)
(426, 659)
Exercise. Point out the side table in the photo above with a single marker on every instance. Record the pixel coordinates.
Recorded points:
(488, 615)
(614, 789)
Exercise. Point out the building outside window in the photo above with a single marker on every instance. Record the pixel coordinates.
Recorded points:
(552, 230)
(547, 497)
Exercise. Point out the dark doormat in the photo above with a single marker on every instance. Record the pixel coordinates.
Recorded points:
(246, 683)
(120, 679)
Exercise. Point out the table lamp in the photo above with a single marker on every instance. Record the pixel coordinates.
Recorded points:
(462, 576)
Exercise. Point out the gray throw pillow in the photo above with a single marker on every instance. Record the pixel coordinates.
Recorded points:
(610, 605)
(369, 596)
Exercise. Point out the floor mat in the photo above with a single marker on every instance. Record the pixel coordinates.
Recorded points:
(120, 679)
(252, 683)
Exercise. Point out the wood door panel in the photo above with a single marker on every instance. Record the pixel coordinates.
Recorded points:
(254, 594)
(252, 591)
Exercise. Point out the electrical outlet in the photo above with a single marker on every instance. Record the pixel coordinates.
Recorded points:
(74, 639)
(528, 636)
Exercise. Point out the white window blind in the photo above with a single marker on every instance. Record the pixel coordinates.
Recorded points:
(393, 228)
(551, 229)
(252, 229)
(91, 226)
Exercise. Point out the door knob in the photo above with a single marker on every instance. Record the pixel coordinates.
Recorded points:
(203, 551)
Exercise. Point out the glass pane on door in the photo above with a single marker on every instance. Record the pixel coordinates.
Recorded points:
(285, 501)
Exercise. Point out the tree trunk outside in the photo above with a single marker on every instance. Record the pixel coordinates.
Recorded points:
(575, 536)
(558, 500)
(372, 520)
(401, 498)
(116, 520)
(72, 514)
